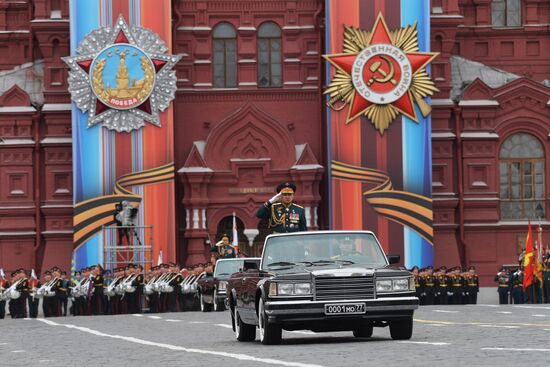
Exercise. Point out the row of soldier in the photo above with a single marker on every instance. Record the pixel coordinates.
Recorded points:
(511, 288)
(92, 291)
(455, 286)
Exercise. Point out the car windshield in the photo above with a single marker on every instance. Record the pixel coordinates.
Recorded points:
(224, 268)
(321, 249)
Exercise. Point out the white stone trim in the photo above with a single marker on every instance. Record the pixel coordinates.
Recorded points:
(195, 218)
(187, 219)
(293, 83)
(244, 84)
(442, 102)
(203, 218)
(8, 141)
(194, 169)
(199, 28)
(17, 109)
(479, 135)
(443, 135)
(308, 216)
(27, 233)
(305, 167)
(203, 61)
(202, 85)
(455, 16)
(246, 28)
(247, 61)
(50, 20)
(56, 107)
(478, 103)
(23, 31)
(294, 27)
(292, 59)
(66, 140)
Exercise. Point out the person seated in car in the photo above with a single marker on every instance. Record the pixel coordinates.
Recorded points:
(346, 248)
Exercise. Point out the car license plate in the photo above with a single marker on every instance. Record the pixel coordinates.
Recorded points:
(345, 309)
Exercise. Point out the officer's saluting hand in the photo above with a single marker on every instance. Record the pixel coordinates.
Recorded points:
(284, 216)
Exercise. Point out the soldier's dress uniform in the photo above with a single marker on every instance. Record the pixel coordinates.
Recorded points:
(284, 218)
(442, 288)
(97, 297)
(20, 306)
(472, 287)
(546, 284)
(516, 284)
(456, 288)
(503, 279)
(33, 301)
(4, 284)
(429, 289)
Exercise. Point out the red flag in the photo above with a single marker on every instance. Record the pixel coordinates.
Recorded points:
(538, 259)
(528, 260)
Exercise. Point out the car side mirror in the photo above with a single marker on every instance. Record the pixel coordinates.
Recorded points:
(250, 265)
(393, 259)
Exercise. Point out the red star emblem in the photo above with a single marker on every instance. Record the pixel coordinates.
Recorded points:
(381, 75)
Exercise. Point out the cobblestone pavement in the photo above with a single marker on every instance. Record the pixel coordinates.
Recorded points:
(481, 335)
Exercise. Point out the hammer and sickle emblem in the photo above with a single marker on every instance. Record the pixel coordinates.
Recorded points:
(387, 76)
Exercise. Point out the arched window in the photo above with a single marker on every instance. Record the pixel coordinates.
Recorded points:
(521, 177)
(269, 55)
(225, 56)
(506, 13)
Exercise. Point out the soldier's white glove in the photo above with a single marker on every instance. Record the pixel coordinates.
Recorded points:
(275, 198)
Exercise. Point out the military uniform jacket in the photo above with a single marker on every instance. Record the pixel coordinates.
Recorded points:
(228, 252)
(472, 283)
(23, 286)
(428, 282)
(283, 219)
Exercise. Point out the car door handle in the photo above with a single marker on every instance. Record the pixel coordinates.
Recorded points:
(244, 280)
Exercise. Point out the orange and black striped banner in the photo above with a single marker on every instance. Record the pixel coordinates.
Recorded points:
(411, 210)
(91, 215)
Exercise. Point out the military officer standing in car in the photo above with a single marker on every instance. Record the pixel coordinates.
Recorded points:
(284, 216)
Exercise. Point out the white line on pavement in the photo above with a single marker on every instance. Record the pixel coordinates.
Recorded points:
(427, 343)
(17, 351)
(172, 320)
(155, 317)
(479, 305)
(445, 311)
(225, 326)
(198, 322)
(242, 357)
(501, 326)
(505, 312)
(519, 349)
(137, 315)
(437, 325)
(535, 307)
(3, 343)
(44, 360)
(540, 315)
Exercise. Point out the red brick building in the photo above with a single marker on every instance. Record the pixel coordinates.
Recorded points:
(249, 113)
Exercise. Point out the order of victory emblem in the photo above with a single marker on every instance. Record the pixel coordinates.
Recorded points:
(380, 74)
(122, 77)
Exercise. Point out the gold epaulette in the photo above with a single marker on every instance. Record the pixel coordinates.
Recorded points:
(299, 206)
(277, 203)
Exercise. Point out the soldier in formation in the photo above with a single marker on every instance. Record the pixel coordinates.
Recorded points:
(458, 286)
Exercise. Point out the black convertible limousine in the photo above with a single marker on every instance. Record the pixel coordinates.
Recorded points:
(321, 281)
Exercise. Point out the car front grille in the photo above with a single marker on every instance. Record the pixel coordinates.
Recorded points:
(340, 288)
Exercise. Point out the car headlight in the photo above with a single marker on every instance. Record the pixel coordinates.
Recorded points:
(412, 285)
(383, 286)
(400, 284)
(289, 289)
(302, 289)
(222, 285)
(285, 289)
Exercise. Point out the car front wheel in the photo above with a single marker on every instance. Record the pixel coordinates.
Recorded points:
(364, 331)
(269, 333)
(243, 332)
(219, 305)
(402, 329)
